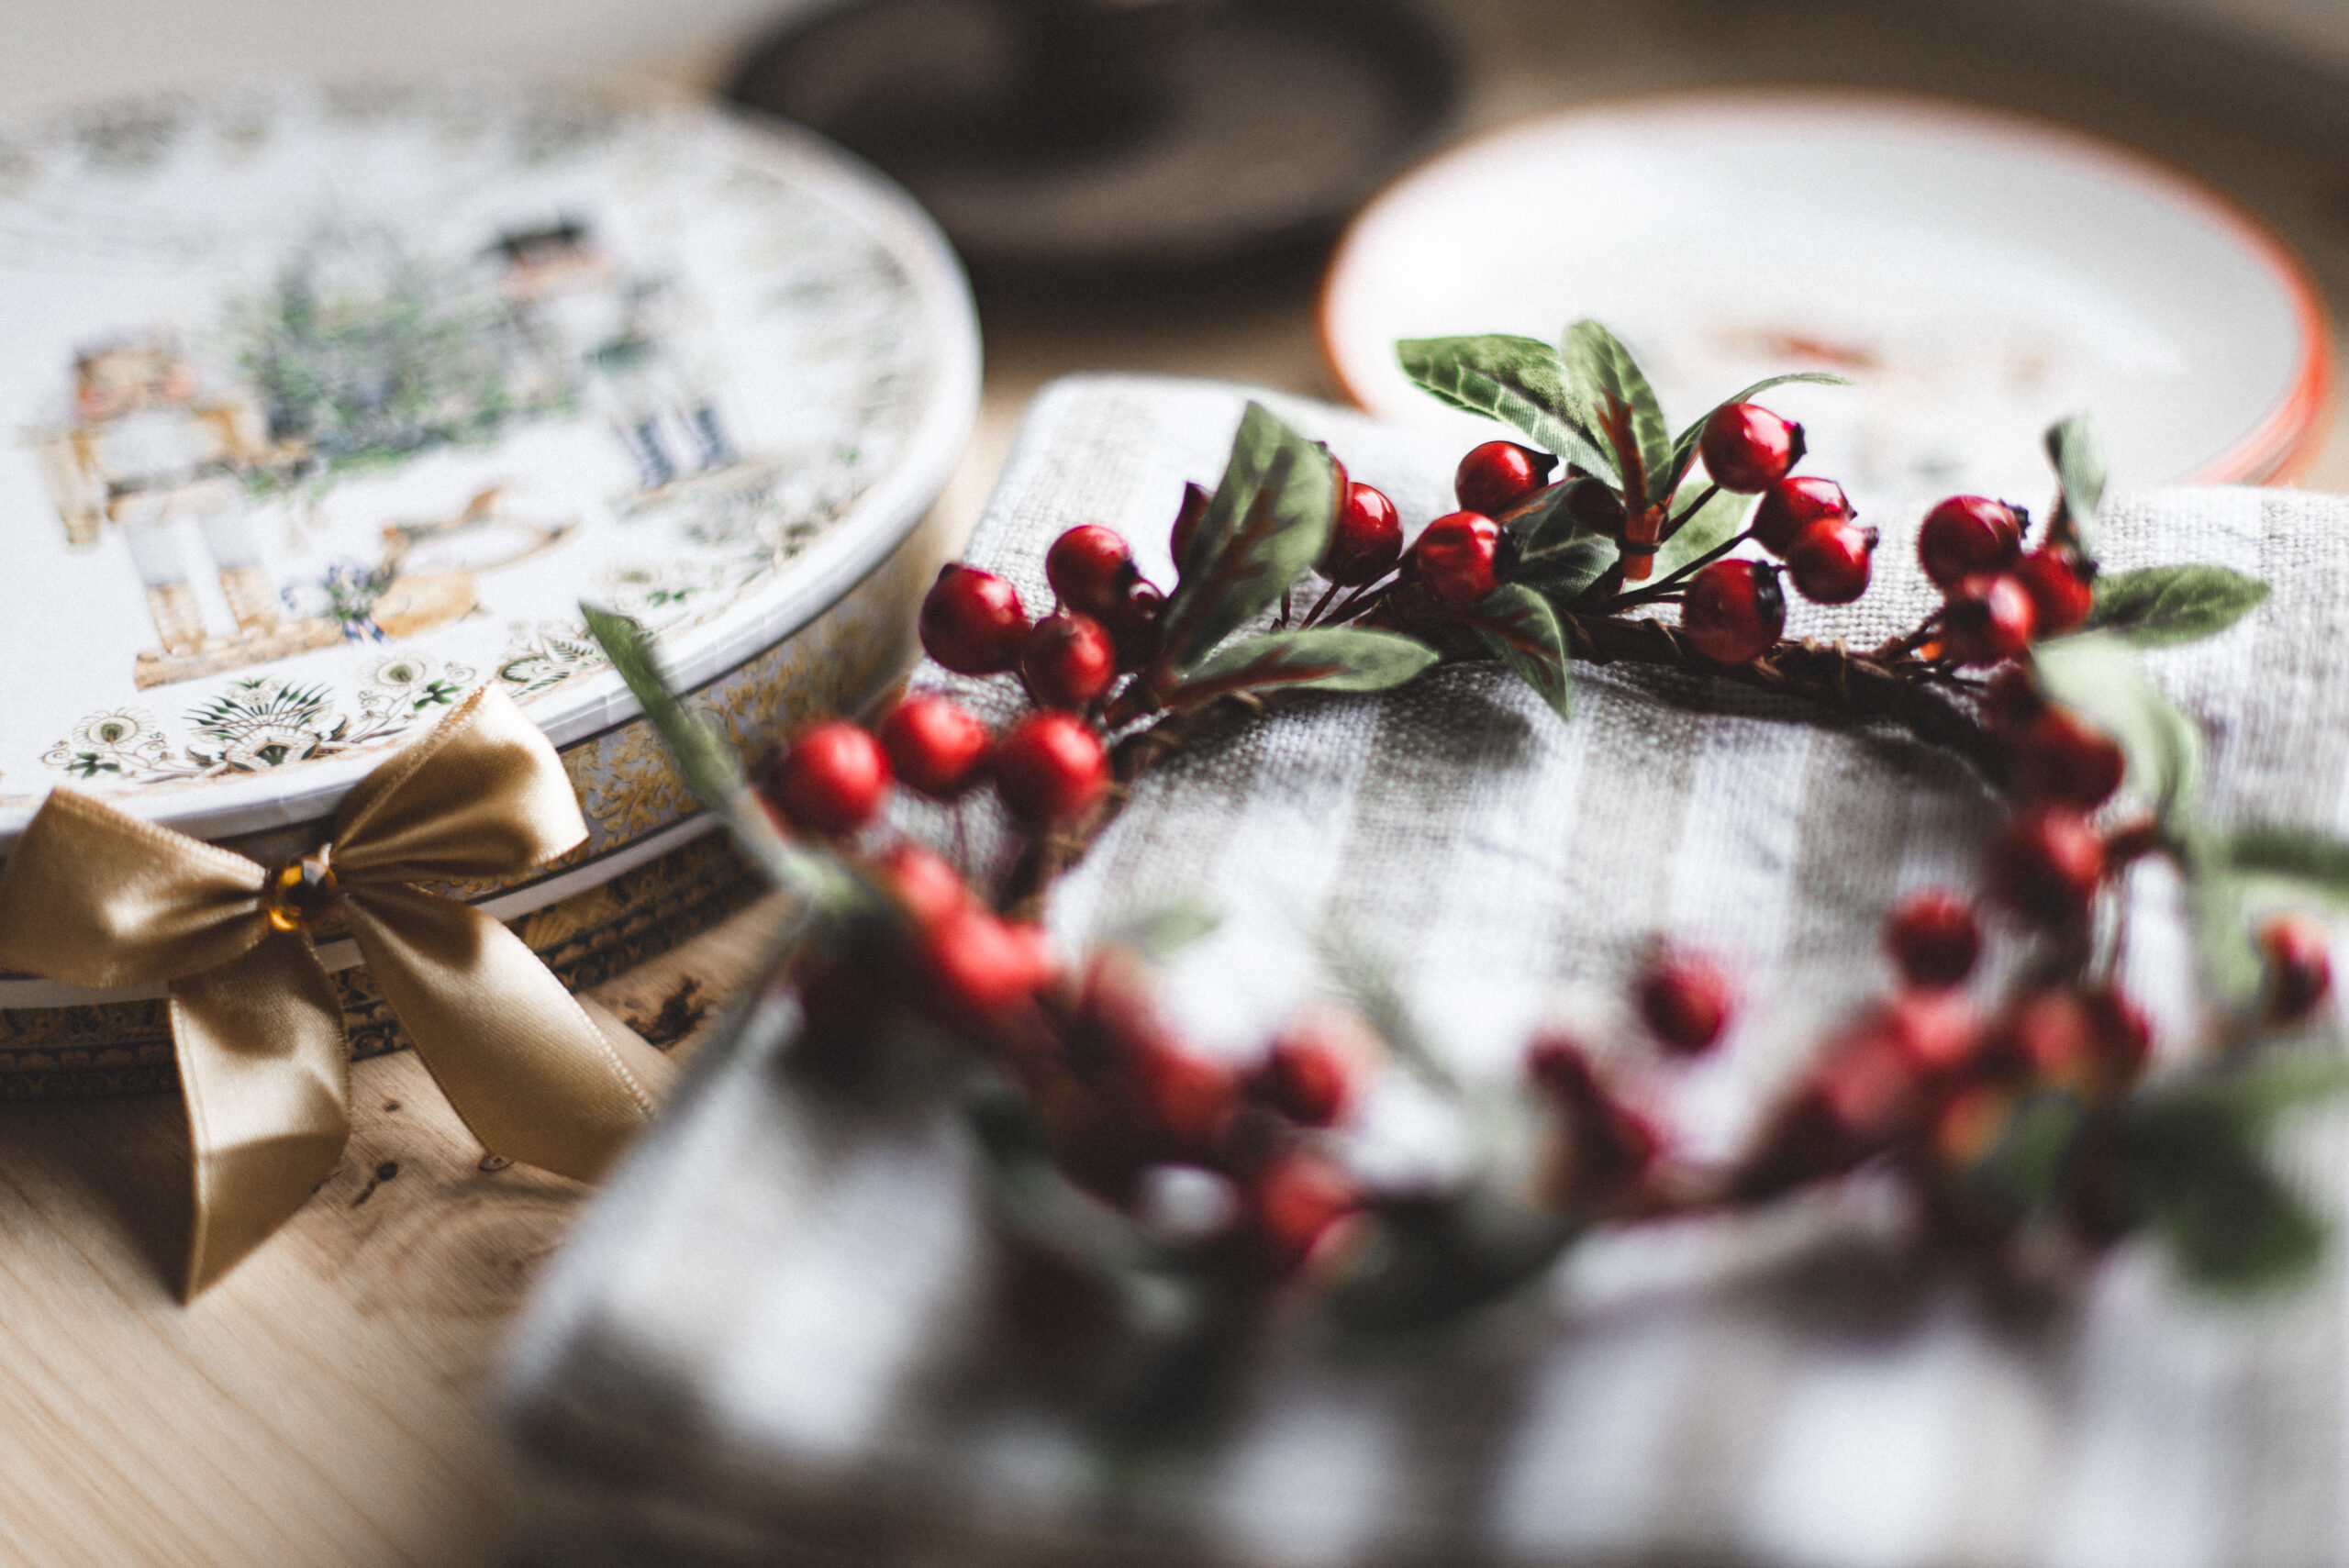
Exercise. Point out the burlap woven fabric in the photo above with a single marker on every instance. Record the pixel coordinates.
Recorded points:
(1781, 1390)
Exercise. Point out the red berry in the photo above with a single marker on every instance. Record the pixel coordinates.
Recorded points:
(925, 885)
(1500, 476)
(1133, 627)
(832, 779)
(2058, 758)
(1686, 1000)
(2012, 701)
(1970, 1125)
(1794, 504)
(972, 622)
(1608, 1143)
(1868, 1090)
(934, 744)
(1734, 610)
(1831, 562)
(1308, 1077)
(1186, 1101)
(1090, 567)
(1747, 448)
(1966, 535)
(1935, 1032)
(2059, 593)
(1050, 767)
(1367, 539)
(1457, 557)
(977, 964)
(2120, 1031)
(1986, 618)
(1934, 937)
(1187, 518)
(1294, 1202)
(2046, 863)
(2092, 1039)
(2299, 966)
(2052, 1037)
(1863, 1096)
(1070, 660)
(1559, 1064)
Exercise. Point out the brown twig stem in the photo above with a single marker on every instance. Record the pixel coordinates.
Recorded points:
(1827, 675)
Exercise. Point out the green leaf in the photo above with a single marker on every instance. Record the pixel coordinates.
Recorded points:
(2023, 1172)
(1035, 1201)
(2264, 1085)
(2078, 456)
(1518, 625)
(2098, 675)
(1717, 522)
(2228, 1221)
(1429, 1260)
(1158, 933)
(1620, 406)
(2218, 904)
(1551, 519)
(1522, 382)
(1333, 658)
(1268, 521)
(2173, 603)
(1563, 573)
(1684, 446)
(2191, 1163)
(2235, 877)
(1556, 552)
(2316, 862)
(711, 769)
(714, 772)
(1365, 979)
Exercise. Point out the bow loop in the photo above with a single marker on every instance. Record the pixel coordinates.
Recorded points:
(483, 795)
(94, 897)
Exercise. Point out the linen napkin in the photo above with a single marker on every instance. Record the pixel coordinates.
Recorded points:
(775, 1337)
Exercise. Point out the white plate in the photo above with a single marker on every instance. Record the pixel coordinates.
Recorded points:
(391, 380)
(1978, 274)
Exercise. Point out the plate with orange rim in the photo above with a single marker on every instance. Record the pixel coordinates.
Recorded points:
(1975, 272)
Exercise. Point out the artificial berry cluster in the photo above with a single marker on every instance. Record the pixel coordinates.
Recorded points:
(1922, 1075)
(1226, 1163)
(1734, 609)
(1996, 598)
(1927, 1082)
(1227, 1160)
(1049, 768)
(2007, 1100)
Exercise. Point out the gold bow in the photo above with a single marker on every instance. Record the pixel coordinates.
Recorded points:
(92, 897)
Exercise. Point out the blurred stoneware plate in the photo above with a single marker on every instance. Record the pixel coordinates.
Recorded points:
(1977, 274)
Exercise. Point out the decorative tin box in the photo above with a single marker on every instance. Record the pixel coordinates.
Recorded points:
(319, 407)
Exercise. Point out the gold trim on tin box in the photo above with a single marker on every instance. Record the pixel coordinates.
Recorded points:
(628, 789)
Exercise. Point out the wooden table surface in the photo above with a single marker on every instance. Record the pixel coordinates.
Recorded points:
(327, 1403)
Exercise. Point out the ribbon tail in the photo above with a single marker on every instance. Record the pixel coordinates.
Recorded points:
(267, 1075)
(532, 1074)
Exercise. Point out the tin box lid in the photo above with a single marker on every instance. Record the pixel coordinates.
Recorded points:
(320, 406)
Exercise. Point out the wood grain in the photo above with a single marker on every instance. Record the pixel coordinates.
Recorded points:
(324, 1405)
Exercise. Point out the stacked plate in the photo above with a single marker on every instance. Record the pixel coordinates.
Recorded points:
(1975, 272)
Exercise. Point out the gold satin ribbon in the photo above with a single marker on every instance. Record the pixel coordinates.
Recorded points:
(92, 897)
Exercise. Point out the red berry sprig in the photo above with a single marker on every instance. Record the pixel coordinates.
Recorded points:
(1939, 1080)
